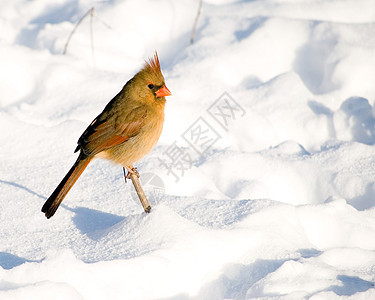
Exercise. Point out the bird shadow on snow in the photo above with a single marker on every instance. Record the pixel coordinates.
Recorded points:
(90, 221)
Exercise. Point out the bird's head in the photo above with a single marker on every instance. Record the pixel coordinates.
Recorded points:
(150, 82)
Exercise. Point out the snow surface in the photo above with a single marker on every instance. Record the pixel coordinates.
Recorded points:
(281, 205)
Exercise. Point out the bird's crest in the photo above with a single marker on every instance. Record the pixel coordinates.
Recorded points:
(153, 63)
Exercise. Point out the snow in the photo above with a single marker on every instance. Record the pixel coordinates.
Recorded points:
(277, 202)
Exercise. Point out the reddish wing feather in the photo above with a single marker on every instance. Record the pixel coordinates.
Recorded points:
(111, 142)
(106, 136)
(131, 129)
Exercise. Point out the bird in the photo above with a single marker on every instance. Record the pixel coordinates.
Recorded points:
(124, 132)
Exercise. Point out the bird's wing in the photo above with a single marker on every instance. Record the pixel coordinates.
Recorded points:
(107, 130)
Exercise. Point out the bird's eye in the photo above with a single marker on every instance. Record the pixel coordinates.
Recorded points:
(150, 86)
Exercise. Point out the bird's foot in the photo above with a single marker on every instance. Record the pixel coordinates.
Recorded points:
(131, 171)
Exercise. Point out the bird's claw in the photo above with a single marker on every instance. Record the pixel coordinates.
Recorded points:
(130, 172)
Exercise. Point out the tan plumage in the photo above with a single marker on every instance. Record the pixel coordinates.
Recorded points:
(127, 129)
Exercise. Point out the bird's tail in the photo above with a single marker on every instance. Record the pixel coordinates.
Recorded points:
(53, 202)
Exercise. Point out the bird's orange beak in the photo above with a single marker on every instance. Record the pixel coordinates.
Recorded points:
(163, 91)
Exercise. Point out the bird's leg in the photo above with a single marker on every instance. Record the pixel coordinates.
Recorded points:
(124, 173)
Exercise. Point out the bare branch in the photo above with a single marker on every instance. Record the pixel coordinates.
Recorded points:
(92, 35)
(196, 22)
(89, 12)
(140, 192)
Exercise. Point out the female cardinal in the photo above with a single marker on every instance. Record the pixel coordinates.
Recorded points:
(127, 129)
